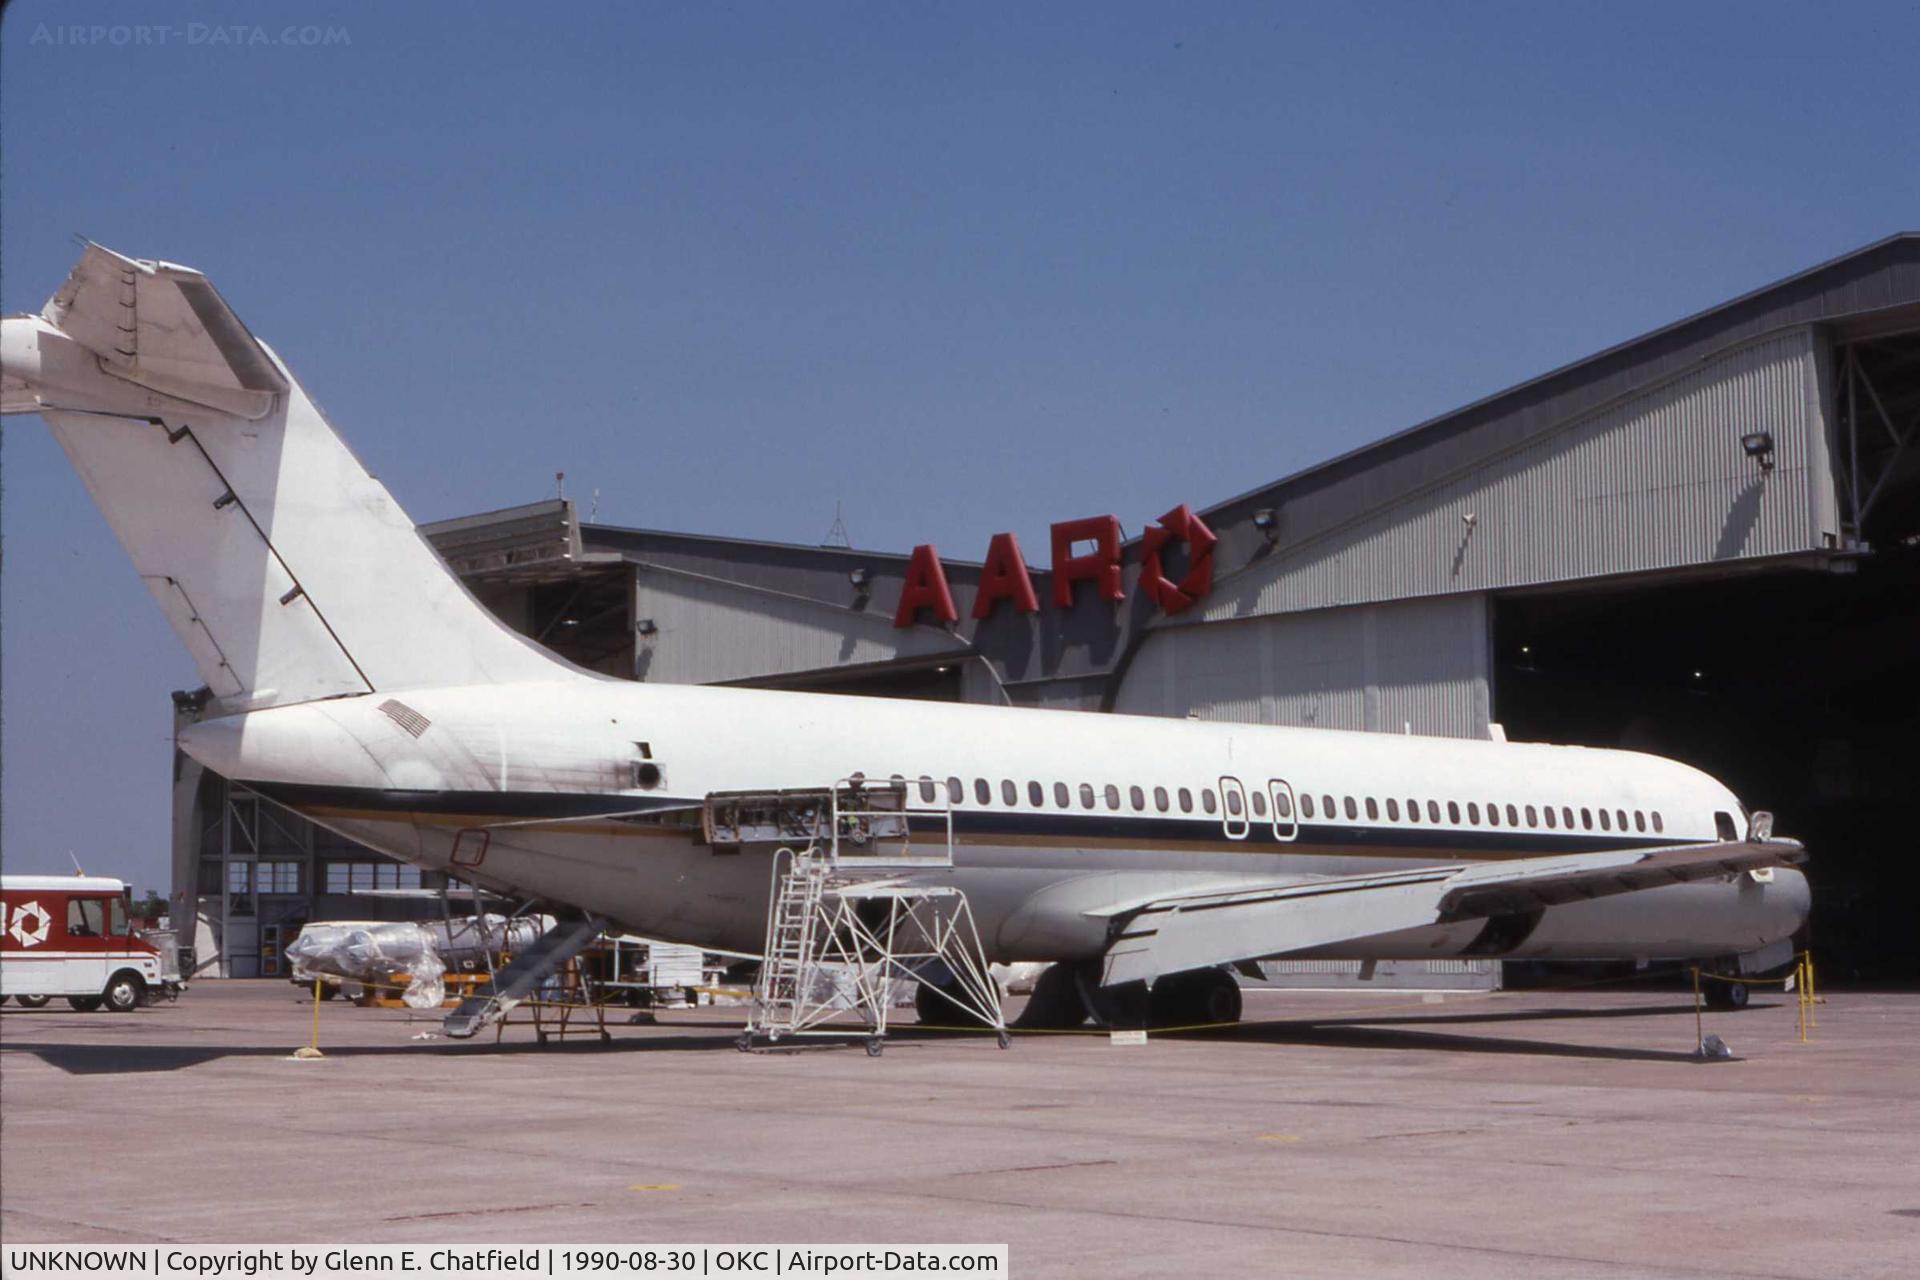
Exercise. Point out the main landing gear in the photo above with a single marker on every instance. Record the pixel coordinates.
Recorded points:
(1066, 996)
(1727, 997)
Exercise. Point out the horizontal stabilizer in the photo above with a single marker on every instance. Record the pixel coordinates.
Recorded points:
(1175, 933)
(167, 328)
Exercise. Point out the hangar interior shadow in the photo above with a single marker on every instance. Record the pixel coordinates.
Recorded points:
(1796, 688)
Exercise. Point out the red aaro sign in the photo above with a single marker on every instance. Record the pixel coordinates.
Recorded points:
(1004, 576)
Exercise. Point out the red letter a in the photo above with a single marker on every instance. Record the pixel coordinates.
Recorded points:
(1004, 577)
(925, 588)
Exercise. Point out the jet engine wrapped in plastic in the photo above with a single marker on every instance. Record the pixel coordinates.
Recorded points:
(376, 954)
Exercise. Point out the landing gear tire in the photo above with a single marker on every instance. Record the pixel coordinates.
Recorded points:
(84, 1004)
(33, 1002)
(1729, 997)
(123, 993)
(1056, 1003)
(935, 1007)
(1206, 997)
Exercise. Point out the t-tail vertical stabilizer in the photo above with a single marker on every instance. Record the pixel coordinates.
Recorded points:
(287, 570)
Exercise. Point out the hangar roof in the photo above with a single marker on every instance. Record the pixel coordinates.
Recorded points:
(1879, 283)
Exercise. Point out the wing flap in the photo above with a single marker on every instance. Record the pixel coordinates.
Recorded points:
(1175, 933)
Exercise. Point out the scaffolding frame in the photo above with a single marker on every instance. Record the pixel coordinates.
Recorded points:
(846, 895)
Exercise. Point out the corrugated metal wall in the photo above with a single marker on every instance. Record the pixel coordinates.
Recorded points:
(1655, 481)
(706, 630)
(1380, 667)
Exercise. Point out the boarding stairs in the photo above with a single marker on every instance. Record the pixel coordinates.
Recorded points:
(523, 976)
(860, 900)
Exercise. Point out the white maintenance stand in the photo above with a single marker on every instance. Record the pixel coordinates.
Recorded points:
(857, 887)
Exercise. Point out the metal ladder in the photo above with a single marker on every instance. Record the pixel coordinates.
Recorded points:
(787, 971)
(522, 976)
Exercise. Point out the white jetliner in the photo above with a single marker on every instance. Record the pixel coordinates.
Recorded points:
(353, 679)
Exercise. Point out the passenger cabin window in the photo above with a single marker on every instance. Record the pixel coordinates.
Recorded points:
(1086, 795)
(1160, 799)
(1113, 797)
(1473, 813)
(1282, 805)
(1453, 812)
(1332, 810)
(1259, 802)
(1620, 818)
(982, 791)
(1723, 826)
(1373, 809)
(1493, 815)
(1533, 818)
(1233, 803)
(1009, 794)
(1036, 795)
(1062, 797)
(1551, 822)
(1639, 820)
(1138, 797)
(1207, 801)
(1586, 819)
(85, 919)
(1306, 804)
(1186, 800)
(1413, 810)
(1513, 817)
(1433, 811)
(1657, 824)
(1566, 815)
(954, 794)
(1353, 810)
(1606, 824)
(926, 790)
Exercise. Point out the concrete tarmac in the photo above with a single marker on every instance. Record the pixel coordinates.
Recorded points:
(1334, 1134)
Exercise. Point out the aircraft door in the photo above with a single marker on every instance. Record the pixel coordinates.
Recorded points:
(1233, 809)
(1286, 824)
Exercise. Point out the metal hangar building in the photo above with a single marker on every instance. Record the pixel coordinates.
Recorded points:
(1703, 543)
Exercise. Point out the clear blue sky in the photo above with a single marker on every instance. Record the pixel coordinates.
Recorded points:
(961, 267)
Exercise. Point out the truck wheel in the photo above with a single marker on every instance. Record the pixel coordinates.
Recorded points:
(32, 1002)
(123, 993)
(84, 1004)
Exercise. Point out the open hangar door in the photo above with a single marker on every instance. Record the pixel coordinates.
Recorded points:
(1799, 689)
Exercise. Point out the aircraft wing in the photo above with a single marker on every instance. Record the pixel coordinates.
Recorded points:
(167, 328)
(1178, 932)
